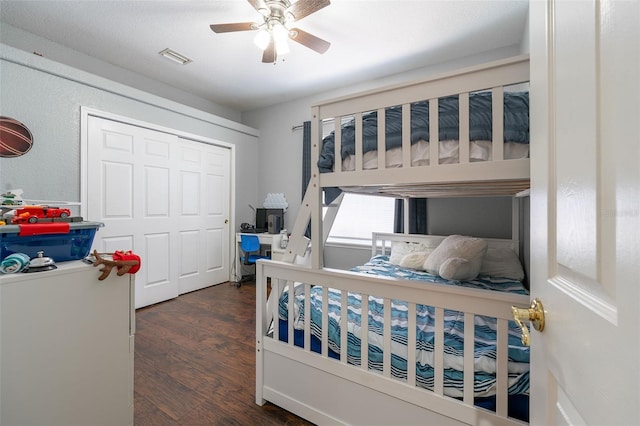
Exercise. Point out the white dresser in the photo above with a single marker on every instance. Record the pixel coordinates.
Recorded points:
(66, 347)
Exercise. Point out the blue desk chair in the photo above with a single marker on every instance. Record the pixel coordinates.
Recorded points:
(249, 244)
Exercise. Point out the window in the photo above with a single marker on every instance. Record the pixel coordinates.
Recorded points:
(359, 216)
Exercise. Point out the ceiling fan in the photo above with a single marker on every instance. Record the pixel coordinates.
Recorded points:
(274, 31)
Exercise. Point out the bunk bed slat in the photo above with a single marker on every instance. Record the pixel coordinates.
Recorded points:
(276, 289)
(438, 355)
(344, 312)
(434, 145)
(386, 348)
(382, 129)
(290, 313)
(469, 331)
(364, 333)
(411, 344)
(337, 145)
(502, 378)
(497, 99)
(307, 320)
(463, 143)
(406, 135)
(358, 142)
(325, 321)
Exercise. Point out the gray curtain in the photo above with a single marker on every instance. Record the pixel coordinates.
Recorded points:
(306, 155)
(306, 164)
(417, 216)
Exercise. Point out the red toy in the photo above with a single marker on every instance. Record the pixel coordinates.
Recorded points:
(127, 256)
(31, 214)
(123, 261)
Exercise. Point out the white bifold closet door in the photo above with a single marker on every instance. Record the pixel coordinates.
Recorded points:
(164, 197)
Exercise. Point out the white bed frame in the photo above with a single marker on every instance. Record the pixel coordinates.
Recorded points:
(328, 391)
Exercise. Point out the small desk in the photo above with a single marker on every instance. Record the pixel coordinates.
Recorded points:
(266, 239)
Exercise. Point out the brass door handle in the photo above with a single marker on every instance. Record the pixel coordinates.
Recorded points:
(535, 314)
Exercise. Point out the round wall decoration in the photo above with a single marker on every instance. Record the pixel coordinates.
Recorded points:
(15, 138)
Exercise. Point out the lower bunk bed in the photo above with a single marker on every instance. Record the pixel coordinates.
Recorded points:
(467, 364)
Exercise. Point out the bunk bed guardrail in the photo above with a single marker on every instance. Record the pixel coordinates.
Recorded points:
(311, 384)
(459, 110)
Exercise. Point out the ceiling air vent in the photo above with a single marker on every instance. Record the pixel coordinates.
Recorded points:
(175, 56)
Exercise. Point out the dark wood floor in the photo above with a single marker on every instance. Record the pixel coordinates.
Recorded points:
(195, 361)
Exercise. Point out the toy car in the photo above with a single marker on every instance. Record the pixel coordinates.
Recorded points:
(32, 214)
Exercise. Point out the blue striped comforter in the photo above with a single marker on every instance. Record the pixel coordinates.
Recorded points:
(485, 332)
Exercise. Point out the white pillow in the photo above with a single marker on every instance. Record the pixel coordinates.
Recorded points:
(456, 268)
(457, 258)
(502, 262)
(415, 260)
(400, 249)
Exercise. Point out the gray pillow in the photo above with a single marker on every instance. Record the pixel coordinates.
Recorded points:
(502, 263)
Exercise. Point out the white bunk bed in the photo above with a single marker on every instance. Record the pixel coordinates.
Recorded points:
(327, 385)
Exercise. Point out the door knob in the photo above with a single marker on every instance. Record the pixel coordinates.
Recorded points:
(534, 314)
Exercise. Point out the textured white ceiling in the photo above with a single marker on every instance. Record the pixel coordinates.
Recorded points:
(369, 39)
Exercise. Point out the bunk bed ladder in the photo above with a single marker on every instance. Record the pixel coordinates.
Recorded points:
(298, 242)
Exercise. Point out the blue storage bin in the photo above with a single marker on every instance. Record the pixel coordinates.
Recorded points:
(74, 245)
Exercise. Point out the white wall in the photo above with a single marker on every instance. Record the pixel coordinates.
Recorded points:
(20, 39)
(47, 96)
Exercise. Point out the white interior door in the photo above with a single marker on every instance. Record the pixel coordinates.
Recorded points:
(204, 215)
(163, 197)
(585, 233)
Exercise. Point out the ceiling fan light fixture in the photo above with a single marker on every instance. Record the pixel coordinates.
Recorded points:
(282, 48)
(280, 36)
(275, 29)
(262, 39)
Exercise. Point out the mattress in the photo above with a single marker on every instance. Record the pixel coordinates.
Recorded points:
(448, 154)
(485, 333)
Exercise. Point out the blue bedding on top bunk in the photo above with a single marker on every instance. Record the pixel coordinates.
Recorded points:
(485, 333)
(516, 124)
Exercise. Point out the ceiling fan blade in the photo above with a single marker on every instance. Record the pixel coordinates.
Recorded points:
(309, 40)
(237, 26)
(260, 6)
(269, 54)
(303, 8)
